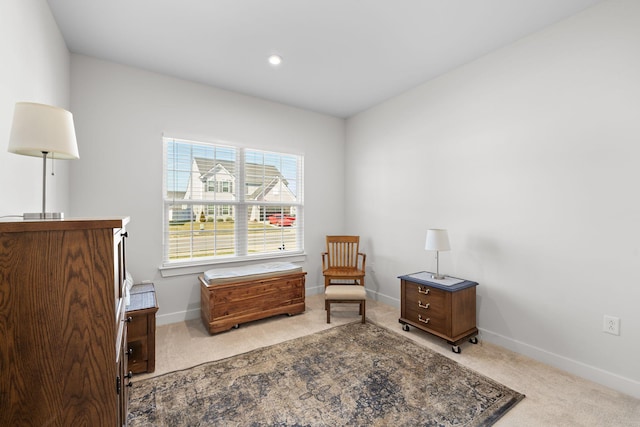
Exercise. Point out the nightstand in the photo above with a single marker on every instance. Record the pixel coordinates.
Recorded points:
(444, 308)
(141, 328)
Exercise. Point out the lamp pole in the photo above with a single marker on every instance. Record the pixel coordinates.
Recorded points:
(44, 184)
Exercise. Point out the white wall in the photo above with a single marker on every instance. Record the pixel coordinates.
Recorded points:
(529, 157)
(121, 114)
(35, 68)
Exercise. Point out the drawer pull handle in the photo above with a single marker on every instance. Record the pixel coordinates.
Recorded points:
(423, 319)
(422, 290)
(421, 305)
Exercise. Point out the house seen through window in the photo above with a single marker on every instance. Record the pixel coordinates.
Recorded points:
(228, 202)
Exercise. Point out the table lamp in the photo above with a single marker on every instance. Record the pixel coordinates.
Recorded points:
(39, 130)
(437, 240)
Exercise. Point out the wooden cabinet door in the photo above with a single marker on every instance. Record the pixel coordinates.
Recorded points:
(59, 353)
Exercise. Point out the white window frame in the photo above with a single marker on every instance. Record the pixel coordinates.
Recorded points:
(240, 206)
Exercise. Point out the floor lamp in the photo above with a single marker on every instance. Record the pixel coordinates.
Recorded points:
(40, 130)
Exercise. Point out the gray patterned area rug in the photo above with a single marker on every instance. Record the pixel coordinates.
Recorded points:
(355, 375)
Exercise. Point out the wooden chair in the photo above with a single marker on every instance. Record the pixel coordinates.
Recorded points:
(344, 262)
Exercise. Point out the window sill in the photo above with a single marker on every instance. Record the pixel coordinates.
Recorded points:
(190, 268)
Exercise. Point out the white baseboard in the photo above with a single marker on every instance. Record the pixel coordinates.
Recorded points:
(315, 290)
(393, 302)
(597, 375)
(178, 316)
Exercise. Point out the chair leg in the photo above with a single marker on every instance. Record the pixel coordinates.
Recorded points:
(362, 309)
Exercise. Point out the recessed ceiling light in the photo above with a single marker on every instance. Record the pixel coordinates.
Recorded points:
(275, 60)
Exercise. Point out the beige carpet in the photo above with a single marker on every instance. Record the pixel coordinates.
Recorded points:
(554, 398)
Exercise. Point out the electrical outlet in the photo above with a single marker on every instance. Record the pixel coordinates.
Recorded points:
(611, 325)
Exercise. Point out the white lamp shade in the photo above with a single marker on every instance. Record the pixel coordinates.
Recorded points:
(38, 127)
(437, 240)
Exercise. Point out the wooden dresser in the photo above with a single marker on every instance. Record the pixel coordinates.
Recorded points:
(226, 306)
(141, 328)
(62, 352)
(446, 311)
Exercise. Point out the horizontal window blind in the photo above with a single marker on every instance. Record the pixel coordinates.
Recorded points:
(223, 202)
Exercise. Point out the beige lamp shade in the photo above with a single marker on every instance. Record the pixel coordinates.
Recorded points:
(39, 128)
(437, 240)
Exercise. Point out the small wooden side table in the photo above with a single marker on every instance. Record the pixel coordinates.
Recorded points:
(446, 311)
(141, 329)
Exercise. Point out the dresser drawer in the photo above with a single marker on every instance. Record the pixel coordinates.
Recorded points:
(138, 355)
(137, 327)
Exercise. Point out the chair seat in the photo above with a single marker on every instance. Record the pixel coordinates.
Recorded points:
(343, 273)
(345, 292)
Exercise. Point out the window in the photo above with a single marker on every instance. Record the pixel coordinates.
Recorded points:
(219, 186)
(225, 203)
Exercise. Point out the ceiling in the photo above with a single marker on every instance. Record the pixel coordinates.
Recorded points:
(340, 57)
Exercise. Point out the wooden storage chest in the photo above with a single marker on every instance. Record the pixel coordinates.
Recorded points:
(227, 305)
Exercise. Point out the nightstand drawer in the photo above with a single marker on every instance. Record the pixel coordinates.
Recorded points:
(438, 324)
(424, 296)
